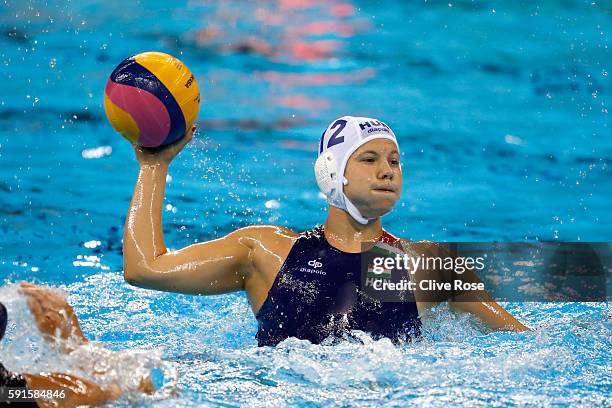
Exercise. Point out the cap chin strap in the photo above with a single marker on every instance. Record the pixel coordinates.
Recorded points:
(354, 212)
(342, 202)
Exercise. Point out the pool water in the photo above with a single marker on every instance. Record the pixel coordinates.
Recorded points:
(501, 110)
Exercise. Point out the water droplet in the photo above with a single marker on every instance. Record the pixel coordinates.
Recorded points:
(272, 204)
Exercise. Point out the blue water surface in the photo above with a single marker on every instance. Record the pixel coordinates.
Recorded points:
(501, 111)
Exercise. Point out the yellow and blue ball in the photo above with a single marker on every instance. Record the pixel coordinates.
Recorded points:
(152, 99)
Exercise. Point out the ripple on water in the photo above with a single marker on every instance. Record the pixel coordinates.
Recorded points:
(211, 358)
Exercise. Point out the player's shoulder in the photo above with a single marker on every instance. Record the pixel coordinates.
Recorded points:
(422, 246)
(266, 232)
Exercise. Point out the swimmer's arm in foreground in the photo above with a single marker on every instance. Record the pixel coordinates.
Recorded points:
(206, 268)
(74, 391)
(57, 322)
(55, 317)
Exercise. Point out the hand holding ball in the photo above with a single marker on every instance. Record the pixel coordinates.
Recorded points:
(166, 154)
(152, 99)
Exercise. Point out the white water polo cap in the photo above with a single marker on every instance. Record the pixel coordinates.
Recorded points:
(338, 142)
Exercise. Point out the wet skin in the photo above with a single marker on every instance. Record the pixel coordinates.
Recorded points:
(250, 258)
(56, 321)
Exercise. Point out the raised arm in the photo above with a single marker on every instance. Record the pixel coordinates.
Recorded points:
(205, 268)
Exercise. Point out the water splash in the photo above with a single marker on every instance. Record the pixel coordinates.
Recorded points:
(25, 350)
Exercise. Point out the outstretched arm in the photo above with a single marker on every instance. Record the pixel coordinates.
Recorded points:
(212, 267)
(491, 313)
(479, 303)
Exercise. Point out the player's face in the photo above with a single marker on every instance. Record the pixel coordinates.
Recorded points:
(374, 178)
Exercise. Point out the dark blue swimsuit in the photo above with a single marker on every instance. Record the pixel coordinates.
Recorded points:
(317, 294)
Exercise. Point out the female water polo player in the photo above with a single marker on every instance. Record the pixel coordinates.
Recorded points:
(304, 285)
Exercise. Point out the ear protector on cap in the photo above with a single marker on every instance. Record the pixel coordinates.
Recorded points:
(326, 173)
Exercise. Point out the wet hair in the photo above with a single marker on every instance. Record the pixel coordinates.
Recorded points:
(3, 319)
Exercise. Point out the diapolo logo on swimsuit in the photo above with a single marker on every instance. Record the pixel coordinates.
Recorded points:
(315, 268)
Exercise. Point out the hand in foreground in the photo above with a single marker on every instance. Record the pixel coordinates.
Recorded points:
(72, 391)
(53, 315)
(56, 318)
(165, 154)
